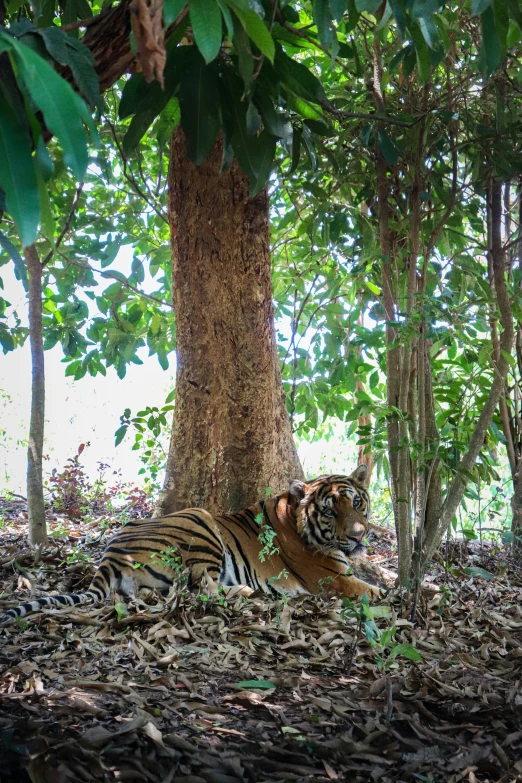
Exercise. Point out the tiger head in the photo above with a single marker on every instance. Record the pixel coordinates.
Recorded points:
(333, 512)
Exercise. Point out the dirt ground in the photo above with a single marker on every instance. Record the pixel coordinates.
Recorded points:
(188, 690)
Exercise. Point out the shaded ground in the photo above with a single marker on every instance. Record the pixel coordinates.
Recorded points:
(163, 693)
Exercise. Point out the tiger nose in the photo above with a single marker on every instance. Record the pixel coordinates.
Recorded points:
(358, 538)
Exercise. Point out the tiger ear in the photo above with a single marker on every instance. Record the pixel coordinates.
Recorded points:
(297, 491)
(360, 474)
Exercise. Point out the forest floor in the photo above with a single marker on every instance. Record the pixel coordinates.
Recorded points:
(188, 690)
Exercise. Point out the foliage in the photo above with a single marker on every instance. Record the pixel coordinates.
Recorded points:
(290, 89)
(74, 496)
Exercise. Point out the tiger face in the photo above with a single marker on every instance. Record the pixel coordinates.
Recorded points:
(333, 512)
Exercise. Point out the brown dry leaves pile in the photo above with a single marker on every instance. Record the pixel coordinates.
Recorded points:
(155, 695)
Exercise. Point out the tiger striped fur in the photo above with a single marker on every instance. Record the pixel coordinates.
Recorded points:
(318, 526)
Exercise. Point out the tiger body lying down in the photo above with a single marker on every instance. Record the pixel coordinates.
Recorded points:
(317, 526)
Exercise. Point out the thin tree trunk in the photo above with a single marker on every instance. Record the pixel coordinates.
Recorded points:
(35, 499)
(231, 435)
(435, 534)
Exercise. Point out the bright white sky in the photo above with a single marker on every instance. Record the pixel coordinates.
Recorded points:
(90, 409)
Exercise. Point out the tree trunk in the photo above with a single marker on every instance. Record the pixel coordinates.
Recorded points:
(516, 509)
(35, 499)
(435, 534)
(231, 436)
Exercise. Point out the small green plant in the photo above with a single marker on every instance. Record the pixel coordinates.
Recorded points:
(121, 611)
(281, 575)
(77, 556)
(385, 647)
(151, 426)
(171, 558)
(266, 537)
(60, 531)
(324, 584)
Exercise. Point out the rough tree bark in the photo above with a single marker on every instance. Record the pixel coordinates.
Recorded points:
(231, 436)
(35, 499)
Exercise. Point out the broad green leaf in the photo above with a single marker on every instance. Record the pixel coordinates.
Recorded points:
(255, 28)
(421, 53)
(479, 6)
(168, 121)
(338, 9)
(199, 102)
(257, 684)
(69, 51)
(138, 127)
(16, 258)
(424, 8)
(370, 6)
(405, 650)
(481, 573)
(171, 10)
(387, 147)
(323, 19)
(121, 611)
(430, 31)
(263, 156)
(120, 434)
(64, 112)
(17, 174)
(298, 79)
(205, 17)
(515, 12)
(227, 16)
(491, 48)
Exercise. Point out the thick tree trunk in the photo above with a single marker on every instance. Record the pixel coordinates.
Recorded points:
(231, 435)
(35, 499)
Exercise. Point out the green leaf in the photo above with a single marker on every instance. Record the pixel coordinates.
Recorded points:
(479, 6)
(17, 174)
(199, 103)
(298, 79)
(171, 10)
(262, 685)
(491, 48)
(515, 12)
(168, 121)
(138, 127)
(255, 28)
(120, 434)
(323, 19)
(12, 252)
(425, 8)
(406, 650)
(63, 110)
(430, 31)
(338, 8)
(480, 573)
(121, 611)
(388, 147)
(69, 51)
(263, 157)
(370, 6)
(421, 53)
(205, 18)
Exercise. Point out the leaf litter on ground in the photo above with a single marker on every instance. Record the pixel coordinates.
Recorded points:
(187, 690)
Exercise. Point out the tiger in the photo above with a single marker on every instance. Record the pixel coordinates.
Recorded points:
(294, 543)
